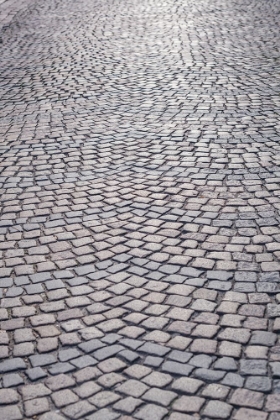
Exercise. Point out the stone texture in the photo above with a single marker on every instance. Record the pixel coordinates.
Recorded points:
(244, 397)
(217, 409)
(188, 404)
(36, 406)
(11, 412)
(151, 412)
(140, 209)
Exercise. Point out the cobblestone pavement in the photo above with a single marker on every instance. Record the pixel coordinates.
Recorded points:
(139, 229)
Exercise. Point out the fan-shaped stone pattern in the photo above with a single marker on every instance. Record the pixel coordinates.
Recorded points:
(139, 226)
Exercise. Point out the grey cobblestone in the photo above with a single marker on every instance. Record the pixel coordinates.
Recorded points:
(78, 410)
(11, 412)
(132, 388)
(157, 395)
(36, 373)
(12, 365)
(36, 406)
(59, 382)
(12, 379)
(151, 411)
(216, 391)
(187, 385)
(127, 405)
(218, 409)
(8, 396)
(188, 404)
(140, 210)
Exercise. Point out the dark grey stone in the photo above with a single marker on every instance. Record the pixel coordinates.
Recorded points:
(42, 360)
(179, 356)
(201, 360)
(219, 275)
(12, 364)
(253, 367)
(153, 361)
(226, 363)
(109, 351)
(209, 375)
(58, 368)
(36, 373)
(233, 380)
(177, 368)
(245, 276)
(258, 383)
(270, 277)
(154, 349)
(12, 379)
(129, 356)
(263, 338)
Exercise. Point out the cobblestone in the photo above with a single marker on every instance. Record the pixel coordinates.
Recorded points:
(187, 385)
(11, 412)
(151, 411)
(243, 397)
(36, 406)
(217, 409)
(139, 217)
(188, 404)
(8, 396)
(78, 410)
(30, 392)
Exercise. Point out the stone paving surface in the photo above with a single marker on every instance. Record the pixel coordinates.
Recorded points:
(139, 229)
